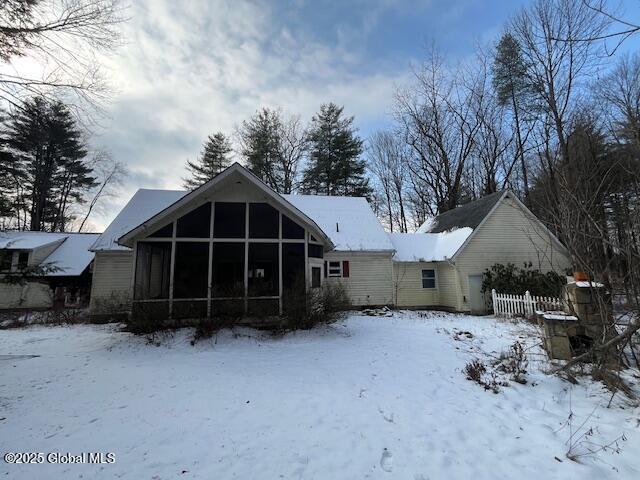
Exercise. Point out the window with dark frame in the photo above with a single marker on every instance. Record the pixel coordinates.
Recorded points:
(153, 269)
(191, 270)
(228, 270)
(263, 221)
(429, 278)
(196, 223)
(229, 220)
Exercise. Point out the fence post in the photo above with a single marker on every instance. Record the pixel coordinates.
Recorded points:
(493, 299)
(527, 302)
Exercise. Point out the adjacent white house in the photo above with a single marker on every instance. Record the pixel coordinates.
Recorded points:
(64, 260)
(236, 246)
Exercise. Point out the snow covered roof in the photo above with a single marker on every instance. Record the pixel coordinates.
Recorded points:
(72, 256)
(143, 205)
(428, 247)
(348, 221)
(28, 240)
(468, 215)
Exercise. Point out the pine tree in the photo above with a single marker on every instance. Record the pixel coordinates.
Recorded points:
(335, 167)
(214, 158)
(512, 90)
(260, 138)
(48, 155)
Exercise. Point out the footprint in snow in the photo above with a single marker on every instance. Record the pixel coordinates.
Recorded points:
(386, 461)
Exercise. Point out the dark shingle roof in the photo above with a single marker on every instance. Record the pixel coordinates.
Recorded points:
(468, 215)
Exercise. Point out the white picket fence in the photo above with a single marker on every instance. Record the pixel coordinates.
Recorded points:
(506, 305)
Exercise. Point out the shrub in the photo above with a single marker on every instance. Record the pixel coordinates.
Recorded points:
(208, 327)
(476, 371)
(303, 309)
(512, 279)
(514, 362)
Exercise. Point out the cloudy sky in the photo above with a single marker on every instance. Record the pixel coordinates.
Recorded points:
(189, 68)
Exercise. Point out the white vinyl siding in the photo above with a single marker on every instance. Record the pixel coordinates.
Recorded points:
(369, 277)
(29, 295)
(111, 285)
(407, 281)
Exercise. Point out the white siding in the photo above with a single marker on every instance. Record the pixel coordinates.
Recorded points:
(407, 281)
(111, 285)
(507, 236)
(30, 295)
(369, 281)
(448, 286)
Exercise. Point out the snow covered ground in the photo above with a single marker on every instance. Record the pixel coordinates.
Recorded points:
(369, 397)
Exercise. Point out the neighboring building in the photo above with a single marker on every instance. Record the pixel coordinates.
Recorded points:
(65, 268)
(235, 246)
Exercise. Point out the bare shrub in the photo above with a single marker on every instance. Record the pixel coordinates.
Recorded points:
(304, 309)
(514, 362)
(209, 327)
(476, 371)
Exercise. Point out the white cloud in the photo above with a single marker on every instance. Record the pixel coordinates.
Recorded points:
(190, 68)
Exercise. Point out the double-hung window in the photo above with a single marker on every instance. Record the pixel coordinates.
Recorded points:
(335, 269)
(429, 278)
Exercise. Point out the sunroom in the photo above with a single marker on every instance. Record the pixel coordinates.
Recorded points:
(232, 248)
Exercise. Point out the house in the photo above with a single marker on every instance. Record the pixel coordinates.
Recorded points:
(462, 243)
(234, 246)
(50, 262)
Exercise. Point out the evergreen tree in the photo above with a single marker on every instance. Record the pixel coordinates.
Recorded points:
(48, 156)
(214, 158)
(260, 138)
(335, 167)
(513, 90)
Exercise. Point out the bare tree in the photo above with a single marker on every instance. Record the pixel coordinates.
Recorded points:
(63, 38)
(556, 70)
(110, 174)
(438, 122)
(293, 146)
(387, 163)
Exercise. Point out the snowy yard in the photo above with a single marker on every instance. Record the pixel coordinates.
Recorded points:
(369, 397)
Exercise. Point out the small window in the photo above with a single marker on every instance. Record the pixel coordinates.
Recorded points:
(315, 277)
(316, 251)
(428, 278)
(23, 260)
(335, 269)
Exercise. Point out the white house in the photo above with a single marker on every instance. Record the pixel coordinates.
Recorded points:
(64, 260)
(236, 246)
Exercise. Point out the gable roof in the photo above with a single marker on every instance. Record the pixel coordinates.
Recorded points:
(20, 240)
(468, 215)
(234, 170)
(71, 257)
(348, 221)
(143, 205)
(428, 247)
